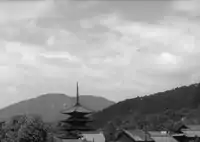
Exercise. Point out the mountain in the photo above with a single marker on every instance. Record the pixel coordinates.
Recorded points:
(162, 107)
(49, 106)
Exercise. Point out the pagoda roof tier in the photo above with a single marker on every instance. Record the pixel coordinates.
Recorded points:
(72, 118)
(77, 120)
(63, 132)
(78, 108)
(76, 129)
(65, 136)
(80, 116)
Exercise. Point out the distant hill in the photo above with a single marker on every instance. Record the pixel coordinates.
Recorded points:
(49, 106)
(160, 108)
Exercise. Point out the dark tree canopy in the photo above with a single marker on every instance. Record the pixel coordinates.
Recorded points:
(24, 128)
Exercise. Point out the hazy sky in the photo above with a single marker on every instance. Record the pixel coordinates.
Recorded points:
(115, 49)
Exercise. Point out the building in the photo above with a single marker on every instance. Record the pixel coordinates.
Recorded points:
(133, 136)
(93, 136)
(77, 122)
(142, 136)
(188, 133)
(178, 127)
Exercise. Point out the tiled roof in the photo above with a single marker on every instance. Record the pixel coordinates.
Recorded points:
(191, 133)
(138, 135)
(178, 135)
(158, 133)
(163, 139)
(158, 136)
(179, 126)
(193, 127)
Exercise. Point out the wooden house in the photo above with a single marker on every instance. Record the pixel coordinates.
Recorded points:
(93, 136)
(189, 133)
(133, 136)
(178, 127)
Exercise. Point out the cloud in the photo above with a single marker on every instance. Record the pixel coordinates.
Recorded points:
(61, 55)
(50, 41)
(27, 52)
(61, 37)
(86, 24)
(22, 60)
(190, 8)
(87, 4)
(162, 52)
(20, 10)
(166, 59)
(108, 53)
(22, 66)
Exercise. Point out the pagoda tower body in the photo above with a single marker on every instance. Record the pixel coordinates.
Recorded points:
(77, 122)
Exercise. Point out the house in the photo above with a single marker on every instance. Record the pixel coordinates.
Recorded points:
(192, 132)
(57, 139)
(180, 137)
(188, 133)
(178, 127)
(193, 127)
(133, 136)
(158, 136)
(95, 136)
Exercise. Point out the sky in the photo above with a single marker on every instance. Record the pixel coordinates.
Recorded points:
(114, 49)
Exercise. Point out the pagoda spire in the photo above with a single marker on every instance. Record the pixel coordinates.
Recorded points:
(77, 95)
(77, 122)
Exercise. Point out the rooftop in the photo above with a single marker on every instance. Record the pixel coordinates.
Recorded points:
(193, 127)
(164, 139)
(77, 108)
(191, 133)
(138, 135)
(94, 136)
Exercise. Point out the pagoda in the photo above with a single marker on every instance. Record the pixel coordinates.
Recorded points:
(77, 122)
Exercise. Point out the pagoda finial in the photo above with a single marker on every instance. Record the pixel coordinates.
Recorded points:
(77, 95)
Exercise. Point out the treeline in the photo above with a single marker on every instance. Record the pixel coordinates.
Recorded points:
(26, 128)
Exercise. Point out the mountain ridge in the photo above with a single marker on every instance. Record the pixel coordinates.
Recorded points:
(49, 105)
(181, 101)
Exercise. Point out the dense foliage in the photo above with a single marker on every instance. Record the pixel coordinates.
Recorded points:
(158, 111)
(25, 128)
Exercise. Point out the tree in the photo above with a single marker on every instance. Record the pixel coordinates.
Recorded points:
(32, 131)
(196, 100)
(117, 122)
(11, 127)
(110, 131)
(24, 128)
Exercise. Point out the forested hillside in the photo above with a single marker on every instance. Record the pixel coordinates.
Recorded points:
(48, 106)
(158, 110)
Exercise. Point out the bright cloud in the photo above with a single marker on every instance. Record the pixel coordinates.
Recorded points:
(61, 55)
(167, 59)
